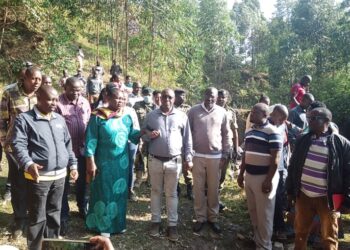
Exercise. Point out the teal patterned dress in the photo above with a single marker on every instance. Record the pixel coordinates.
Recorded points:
(107, 138)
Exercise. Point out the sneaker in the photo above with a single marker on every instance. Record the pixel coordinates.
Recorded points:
(215, 227)
(7, 195)
(132, 196)
(155, 229)
(172, 233)
(198, 226)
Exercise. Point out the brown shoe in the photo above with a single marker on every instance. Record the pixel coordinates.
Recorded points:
(155, 229)
(172, 233)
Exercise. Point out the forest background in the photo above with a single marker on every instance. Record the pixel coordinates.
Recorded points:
(189, 44)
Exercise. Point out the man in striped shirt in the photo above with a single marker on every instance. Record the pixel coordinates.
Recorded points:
(319, 169)
(263, 143)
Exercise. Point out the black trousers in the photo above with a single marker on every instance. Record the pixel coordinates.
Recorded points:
(44, 206)
(18, 191)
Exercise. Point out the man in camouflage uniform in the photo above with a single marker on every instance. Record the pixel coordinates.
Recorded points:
(180, 99)
(223, 98)
(142, 108)
(17, 98)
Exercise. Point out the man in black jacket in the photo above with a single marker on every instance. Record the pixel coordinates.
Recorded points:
(42, 147)
(319, 171)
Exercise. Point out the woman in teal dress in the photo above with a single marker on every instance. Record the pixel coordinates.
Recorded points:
(107, 136)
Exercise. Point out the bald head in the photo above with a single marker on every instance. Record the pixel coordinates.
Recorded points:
(259, 113)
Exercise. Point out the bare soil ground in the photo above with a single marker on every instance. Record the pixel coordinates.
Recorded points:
(234, 221)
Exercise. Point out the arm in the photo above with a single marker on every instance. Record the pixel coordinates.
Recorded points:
(4, 116)
(72, 163)
(240, 178)
(91, 138)
(267, 184)
(187, 141)
(226, 134)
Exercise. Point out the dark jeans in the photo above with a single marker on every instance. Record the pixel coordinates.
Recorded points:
(281, 202)
(44, 205)
(18, 190)
(132, 156)
(81, 197)
(65, 204)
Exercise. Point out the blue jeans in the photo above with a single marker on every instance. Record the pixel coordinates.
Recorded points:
(132, 156)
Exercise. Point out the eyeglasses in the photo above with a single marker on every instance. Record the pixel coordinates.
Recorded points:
(315, 118)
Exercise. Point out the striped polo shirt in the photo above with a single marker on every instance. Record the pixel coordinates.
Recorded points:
(314, 175)
(259, 141)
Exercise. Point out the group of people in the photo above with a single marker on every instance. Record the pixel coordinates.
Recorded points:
(99, 135)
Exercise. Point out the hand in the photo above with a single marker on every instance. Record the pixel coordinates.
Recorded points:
(74, 174)
(240, 180)
(266, 186)
(91, 169)
(188, 165)
(33, 170)
(154, 134)
(101, 243)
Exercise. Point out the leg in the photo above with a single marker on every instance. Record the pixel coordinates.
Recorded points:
(171, 177)
(64, 201)
(156, 175)
(213, 182)
(199, 180)
(304, 214)
(81, 187)
(329, 224)
(132, 156)
(37, 197)
(279, 224)
(18, 192)
(53, 208)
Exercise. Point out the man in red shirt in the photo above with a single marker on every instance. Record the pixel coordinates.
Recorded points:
(298, 90)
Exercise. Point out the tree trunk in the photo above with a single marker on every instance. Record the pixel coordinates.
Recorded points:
(126, 37)
(3, 28)
(98, 30)
(151, 53)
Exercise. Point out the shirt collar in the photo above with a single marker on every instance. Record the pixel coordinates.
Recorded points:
(42, 116)
(256, 126)
(76, 102)
(203, 106)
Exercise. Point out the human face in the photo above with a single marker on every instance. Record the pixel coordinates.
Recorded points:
(73, 90)
(47, 101)
(276, 118)
(180, 99)
(305, 103)
(46, 80)
(157, 99)
(32, 82)
(116, 101)
(210, 98)
(257, 115)
(222, 99)
(137, 89)
(317, 122)
(167, 100)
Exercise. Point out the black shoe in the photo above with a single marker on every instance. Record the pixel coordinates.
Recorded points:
(17, 230)
(64, 228)
(215, 227)
(198, 226)
(221, 207)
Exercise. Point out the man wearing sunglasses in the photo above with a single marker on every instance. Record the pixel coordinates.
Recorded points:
(319, 179)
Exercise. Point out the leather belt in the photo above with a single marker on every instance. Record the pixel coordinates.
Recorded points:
(164, 159)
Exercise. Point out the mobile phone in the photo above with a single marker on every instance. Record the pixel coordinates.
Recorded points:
(58, 244)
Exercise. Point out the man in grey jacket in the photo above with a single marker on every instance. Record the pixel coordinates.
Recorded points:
(42, 147)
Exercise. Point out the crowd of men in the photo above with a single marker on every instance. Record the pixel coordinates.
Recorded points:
(289, 156)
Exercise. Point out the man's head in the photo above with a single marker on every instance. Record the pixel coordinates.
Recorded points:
(47, 99)
(210, 97)
(72, 88)
(223, 97)
(46, 80)
(147, 95)
(180, 97)
(128, 78)
(114, 78)
(264, 99)
(136, 88)
(115, 97)
(32, 80)
(319, 119)
(65, 73)
(279, 114)
(305, 80)
(114, 61)
(98, 63)
(307, 100)
(167, 100)
(259, 113)
(157, 97)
